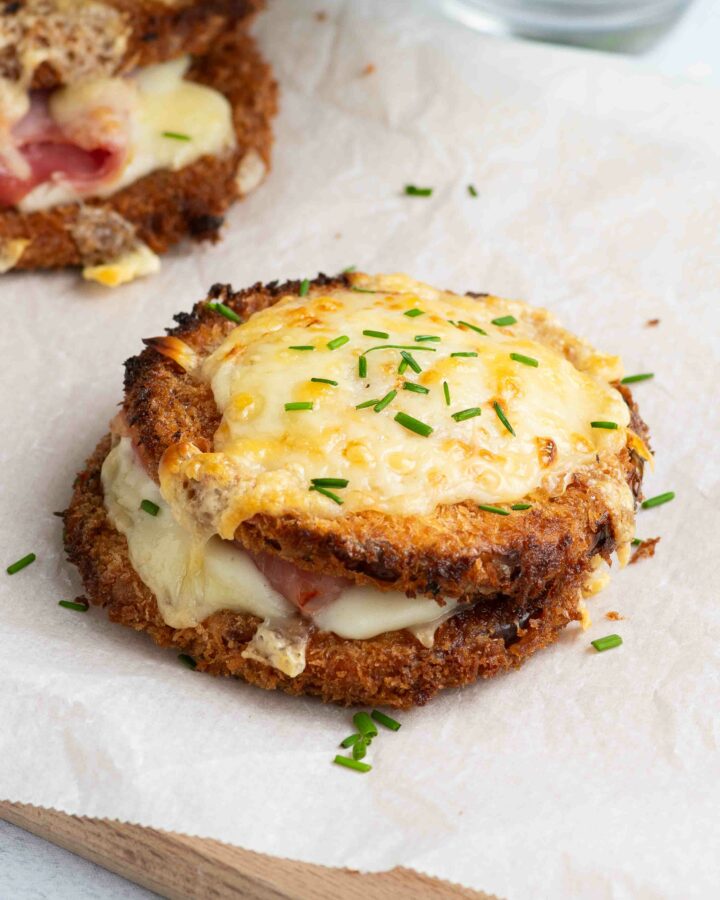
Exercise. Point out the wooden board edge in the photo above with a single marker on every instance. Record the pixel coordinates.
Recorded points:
(185, 868)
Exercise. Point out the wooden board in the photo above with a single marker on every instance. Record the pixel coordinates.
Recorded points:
(185, 868)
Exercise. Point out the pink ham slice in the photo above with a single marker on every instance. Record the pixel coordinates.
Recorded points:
(49, 153)
(308, 591)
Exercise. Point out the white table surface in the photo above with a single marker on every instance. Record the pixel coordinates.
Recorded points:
(32, 869)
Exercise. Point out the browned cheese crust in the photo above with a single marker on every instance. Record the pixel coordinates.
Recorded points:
(523, 573)
(164, 207)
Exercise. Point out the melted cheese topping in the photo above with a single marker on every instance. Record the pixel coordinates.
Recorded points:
(193, 580)
(158, 101)
(265, 456)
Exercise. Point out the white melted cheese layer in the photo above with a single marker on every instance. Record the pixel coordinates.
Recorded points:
(192, 582)
(265, 456)
(158, 101)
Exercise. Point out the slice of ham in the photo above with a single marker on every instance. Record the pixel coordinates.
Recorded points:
(308, 591)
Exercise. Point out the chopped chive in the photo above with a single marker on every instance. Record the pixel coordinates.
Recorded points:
(326, 493)
(412, 347)
(636, 542)
(330, 482)
(359, 749)
(631, 379)
(411, 361)
(21, 563)
(348, 269)
(304, 287)
(386, 401)
(225, 311)
(385, 720)
(412, 313)
(413, 424)
(187, 660)
(427, 337)
(152, 509)
(503, 418)
(446, 391)
(351, 763)
(324, 381)
(525, 360)
(498, 510)
(377, 334)
(467, 414)
(608, 426)
(607, 643)
(349, 740)
(362, 367)
(504, 320)
(472, 190)
(298, 405)
(416, 388)
(176, 136)
(70, 604)
(359, 290)
(365, 724)
(301, 347)
(403, 365)
(367, 403)
(659, 500)
(412, 191)
(337, 342)
(467, 353)
(472, 327)
(520, 506)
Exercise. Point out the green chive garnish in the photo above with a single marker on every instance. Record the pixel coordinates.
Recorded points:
(337, 342)
(365, 724)
(412, 191)
(152, 509)
(301, 347)
(413, 424)
(348, 269)
(359, 749)
(636, 542)
(659, 500)
(467, 414)
(326, 493)
(427, 337)
(472, 327)
(504, 320)
(324, 381)
(412, 347)
(608, 426)
(607, 643)
(498, 510)
(386, 401)
(359, 290)
(503, 418)
(385, 720)
(176, 136)
(377, 334)
(411, 361)
(631, 379)
(304, 287)
(446, 391)
(468, 353)
(298, 405)
(362, 367)
(520, 506)
(472, 190)
(187, 660)
(330, 482)
(414, 312)
(416, 388)
(21, 563)
(349, 740)
(70, 604)
(225, 311)
(403, 365)
(525, 360)
(351, 763)
(366, 404)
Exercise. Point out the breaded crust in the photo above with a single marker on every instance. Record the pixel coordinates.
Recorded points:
(458, 550)
(164, 207)
(393, 669)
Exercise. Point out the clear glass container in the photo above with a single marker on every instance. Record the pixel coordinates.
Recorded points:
(632, 25)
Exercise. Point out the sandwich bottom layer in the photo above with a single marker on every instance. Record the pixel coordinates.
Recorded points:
(392, 669)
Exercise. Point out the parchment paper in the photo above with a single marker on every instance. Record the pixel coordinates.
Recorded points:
(583, 774)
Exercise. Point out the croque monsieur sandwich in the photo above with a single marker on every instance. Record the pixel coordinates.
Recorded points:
(125, 126)
(359, 487)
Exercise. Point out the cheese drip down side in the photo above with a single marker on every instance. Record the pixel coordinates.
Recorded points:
(266, 456)
(192, 579)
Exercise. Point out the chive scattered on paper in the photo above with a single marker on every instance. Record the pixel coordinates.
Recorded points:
(607, 643)
(472, 190)
(71, 604)
(631, 379)
(659, 500)
(385, 720)
(351, 763)
(21, 564)
(365, 724)
(412, 190)
(187, 660)
(349, 740)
